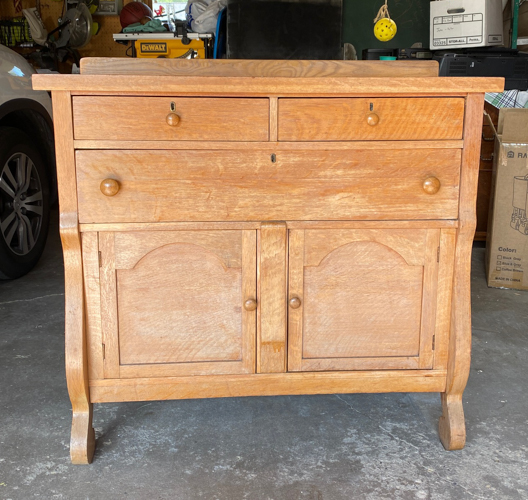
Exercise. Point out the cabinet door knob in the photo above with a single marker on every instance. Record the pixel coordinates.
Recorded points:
(295, 302)
(250, 305)
(109, 187)
(431, 185)
(372, 119)
(173, 119)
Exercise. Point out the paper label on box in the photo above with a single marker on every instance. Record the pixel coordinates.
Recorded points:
(457, 30)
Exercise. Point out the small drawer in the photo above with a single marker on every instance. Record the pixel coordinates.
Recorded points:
(185, 185)
(362, 119)
(170, 118)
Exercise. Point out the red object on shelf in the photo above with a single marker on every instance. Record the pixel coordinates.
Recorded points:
(133, 12)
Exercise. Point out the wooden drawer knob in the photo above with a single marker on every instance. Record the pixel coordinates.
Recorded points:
(109, 187)
(250, 305)
(431, 185)
(372, 119)
(173, 119)
(295, 302)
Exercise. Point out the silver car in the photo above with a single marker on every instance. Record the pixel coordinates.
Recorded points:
(27, 166)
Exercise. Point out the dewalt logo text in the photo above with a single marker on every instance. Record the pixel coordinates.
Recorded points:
(154, 47)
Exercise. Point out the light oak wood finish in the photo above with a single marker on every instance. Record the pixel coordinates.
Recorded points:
(295, 241)
(367, 303)
(370, 119)
(109, 187)
(452, 425)
(118, 118)
(92, 293)
(265, 86)
(431, 185)
(267, 384)
(273, 264)
(363, 224)
(82, 442)
(195, 321)
(267, 146)
(270, 68)
(300, 185)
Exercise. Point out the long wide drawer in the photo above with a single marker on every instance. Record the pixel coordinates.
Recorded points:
(170, 118)
(349, 119)
(184, 185)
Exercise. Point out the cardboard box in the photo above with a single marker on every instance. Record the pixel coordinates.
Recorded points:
(462, 24)
(507, 241)
(522, 24)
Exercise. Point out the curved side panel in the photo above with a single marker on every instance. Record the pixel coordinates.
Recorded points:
(452, 427)
(82, 443)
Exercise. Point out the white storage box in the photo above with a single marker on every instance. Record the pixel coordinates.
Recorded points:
(460, 24)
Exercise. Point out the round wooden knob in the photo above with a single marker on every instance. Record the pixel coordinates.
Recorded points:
(372, 119)
(295, 302)
(431, 185)
(109, 187)
(250, 305)
(173, 119)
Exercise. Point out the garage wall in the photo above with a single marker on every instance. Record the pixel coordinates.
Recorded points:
(411, 17)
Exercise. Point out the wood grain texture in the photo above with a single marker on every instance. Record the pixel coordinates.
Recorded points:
(452, 427)
(274, 384)
(347, 119)
(92, 293)
(409, 244)
(365, 306)
(445, 290)
(274, 119)
(177, 226)
(263, 86)
(249, 292)
(269, 147)
(109, 319)
(194, 311)
(193, 322)
(271, 348)
(429, 298)
(116, 118)
(159, 186)
(335, 237)
(362, 300)
(82, 442)
(295, 290)
(270, 68)
(131, 246)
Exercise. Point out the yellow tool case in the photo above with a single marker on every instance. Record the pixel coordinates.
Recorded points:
(167, 45)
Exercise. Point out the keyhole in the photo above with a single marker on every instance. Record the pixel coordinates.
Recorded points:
(173, 106)
(371, 106)
(273, 158)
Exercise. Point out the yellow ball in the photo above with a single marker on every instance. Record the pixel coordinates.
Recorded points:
(385, 29)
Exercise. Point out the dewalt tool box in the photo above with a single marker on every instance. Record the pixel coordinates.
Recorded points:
(167, 45)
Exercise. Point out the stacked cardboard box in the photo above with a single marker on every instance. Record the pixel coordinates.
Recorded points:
(507, 242)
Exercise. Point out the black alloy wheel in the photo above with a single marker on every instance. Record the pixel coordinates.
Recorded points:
(24, 204)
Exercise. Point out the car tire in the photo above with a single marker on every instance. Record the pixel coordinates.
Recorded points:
(24, 204)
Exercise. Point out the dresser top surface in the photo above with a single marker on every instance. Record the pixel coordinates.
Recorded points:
(279, 78)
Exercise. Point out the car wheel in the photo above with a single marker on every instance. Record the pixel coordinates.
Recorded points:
(24, 204)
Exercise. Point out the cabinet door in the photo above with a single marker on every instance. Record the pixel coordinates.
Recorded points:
(178, 302)
(362, 299)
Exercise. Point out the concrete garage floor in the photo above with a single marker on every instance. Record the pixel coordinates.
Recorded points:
(305, 447)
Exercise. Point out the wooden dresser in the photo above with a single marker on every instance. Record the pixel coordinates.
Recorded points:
(263, 228)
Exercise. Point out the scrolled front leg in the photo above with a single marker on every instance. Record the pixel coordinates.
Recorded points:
(452, 427)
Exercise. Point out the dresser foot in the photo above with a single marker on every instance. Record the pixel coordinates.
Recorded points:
(452, 428)
(82, 443)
